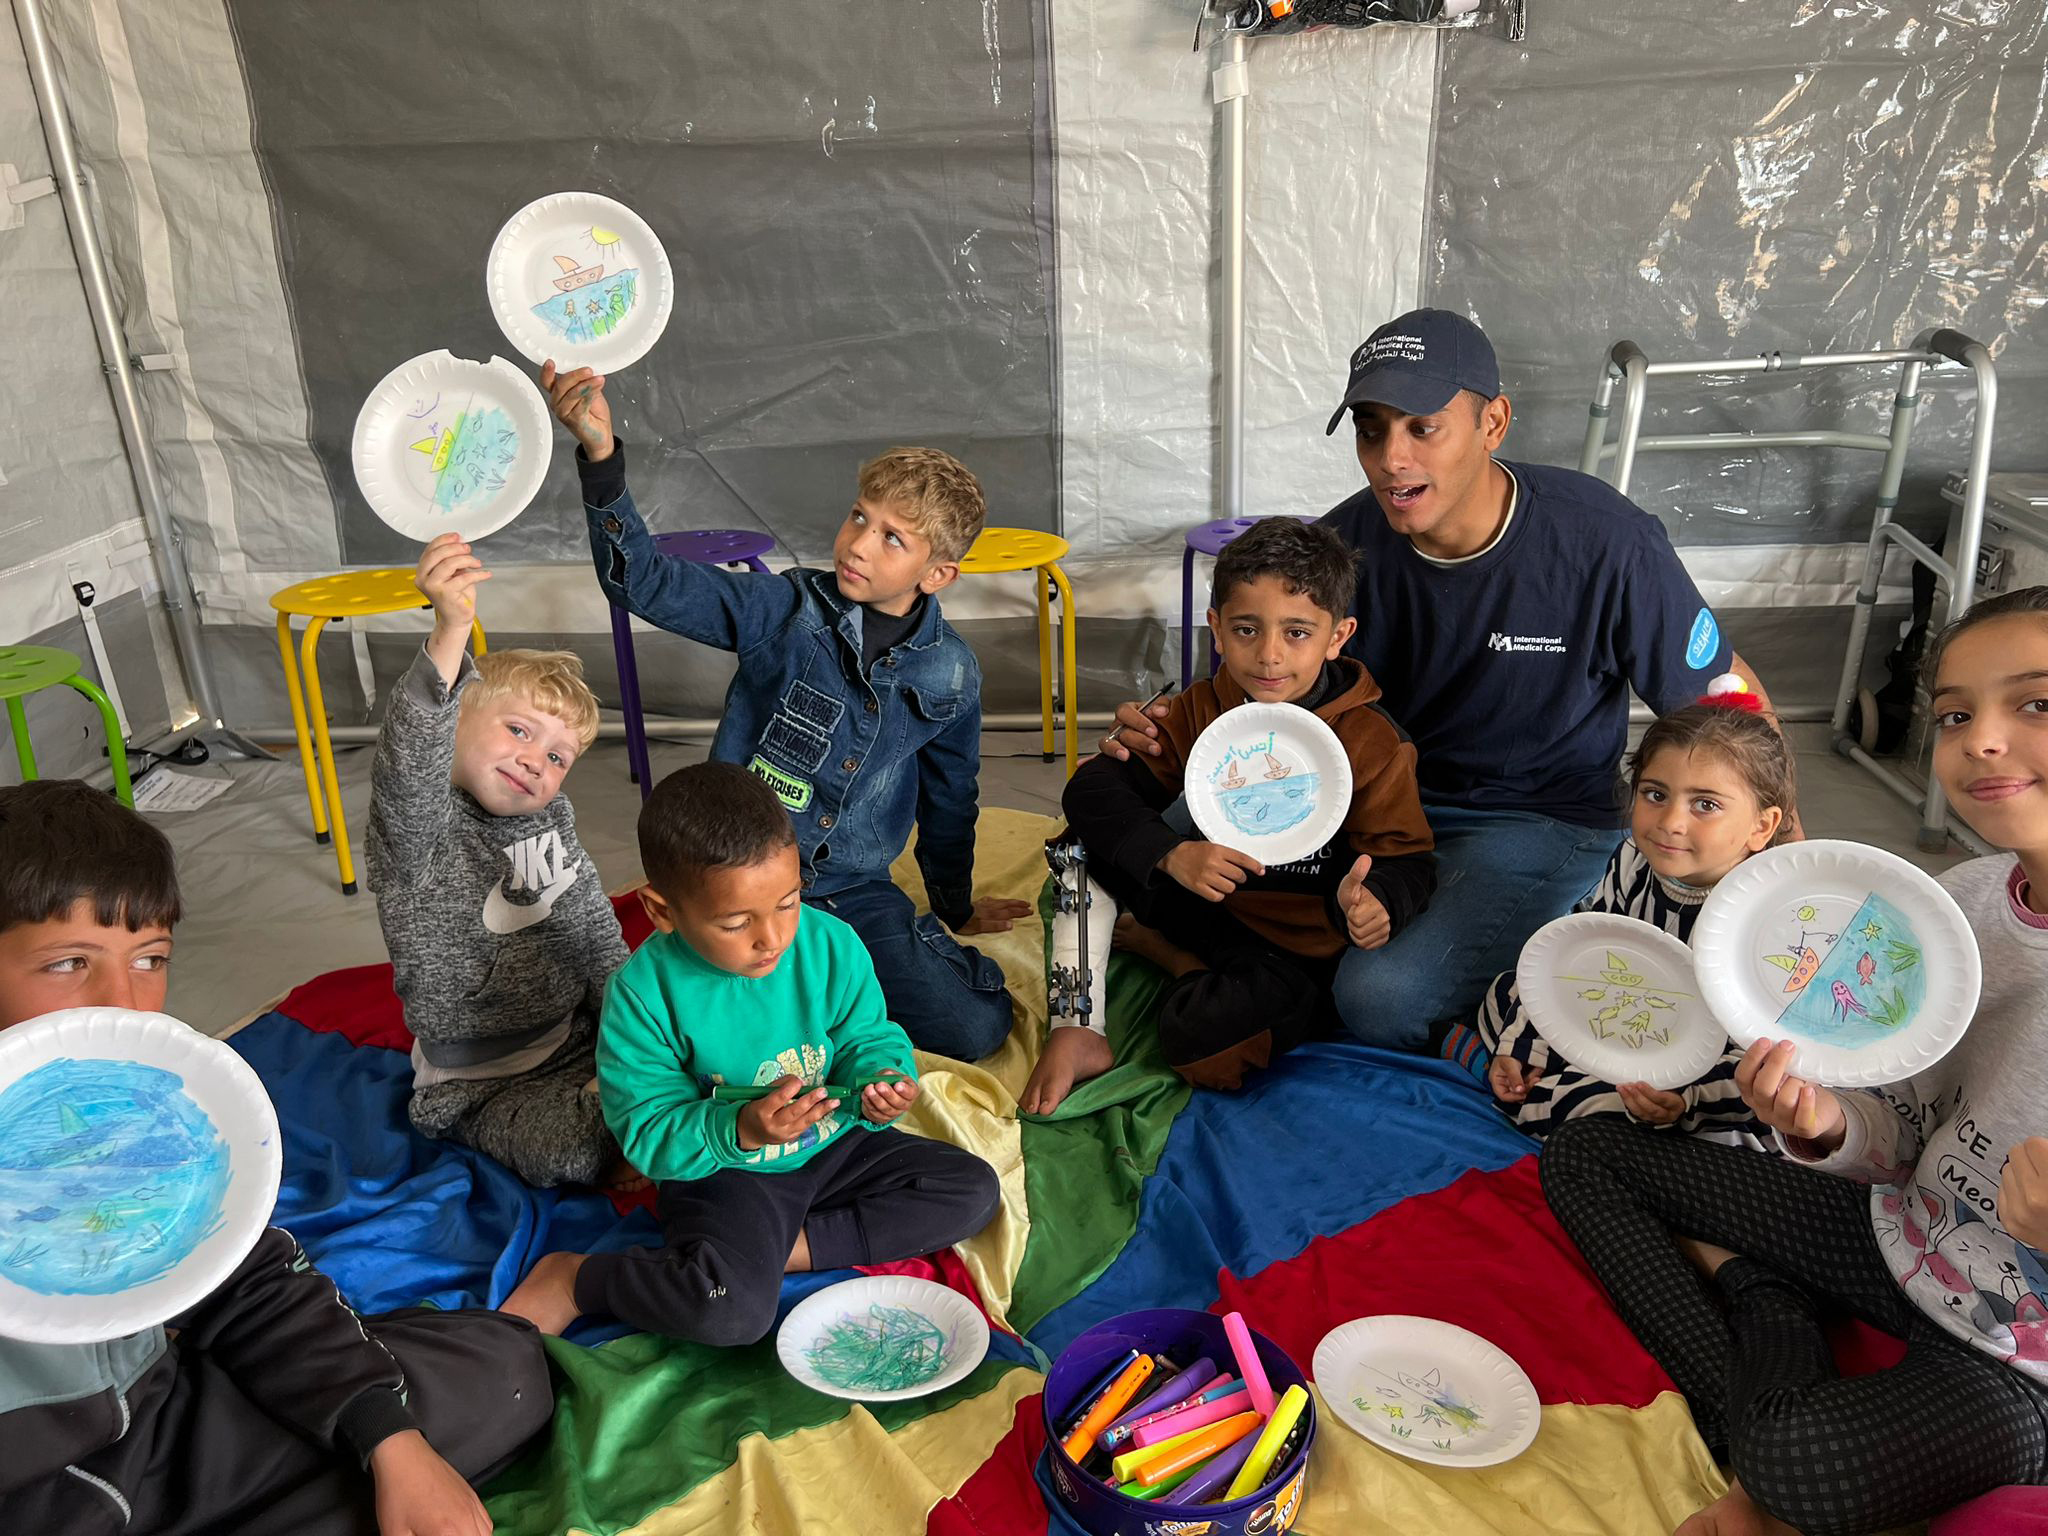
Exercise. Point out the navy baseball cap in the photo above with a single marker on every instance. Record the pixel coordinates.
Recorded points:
(1417, 363)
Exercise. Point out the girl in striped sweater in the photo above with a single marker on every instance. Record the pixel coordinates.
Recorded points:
(1710, 785)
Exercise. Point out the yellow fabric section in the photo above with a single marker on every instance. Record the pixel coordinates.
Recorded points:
(976, 1106)
(849, 1475)
(1594, 1470)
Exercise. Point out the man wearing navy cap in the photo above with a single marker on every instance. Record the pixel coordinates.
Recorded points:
(1506, 610)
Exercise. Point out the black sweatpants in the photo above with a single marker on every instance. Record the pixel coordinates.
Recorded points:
(867, 1198)
(201, 1459)
(1253, 1002)
(1829, 1455)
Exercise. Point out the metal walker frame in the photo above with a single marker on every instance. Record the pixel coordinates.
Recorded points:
(1628, 366)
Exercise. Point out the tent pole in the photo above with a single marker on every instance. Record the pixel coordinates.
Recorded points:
(99, 299)
(1232, 88)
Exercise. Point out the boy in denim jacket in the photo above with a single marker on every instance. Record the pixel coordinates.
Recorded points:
(854, 701)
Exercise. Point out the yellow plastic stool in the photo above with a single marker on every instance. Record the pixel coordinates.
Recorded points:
(349, 595)
(999, 551)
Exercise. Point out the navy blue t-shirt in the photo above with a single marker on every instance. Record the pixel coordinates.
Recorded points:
(1512, 670)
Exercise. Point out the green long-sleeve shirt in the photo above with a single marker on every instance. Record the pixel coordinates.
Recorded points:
(676, 1025)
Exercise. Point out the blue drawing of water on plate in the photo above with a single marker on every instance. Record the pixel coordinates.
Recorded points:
(1864, 987)
(479, 459)
(592, 307)
(110, 1176)
(1260, 810)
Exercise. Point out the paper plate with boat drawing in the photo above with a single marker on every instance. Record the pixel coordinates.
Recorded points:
(446, 444)
(1859, 958)
(1430, 1390)
(581, 279)
(139, 1160)
(1270, 780)
(1618, 999)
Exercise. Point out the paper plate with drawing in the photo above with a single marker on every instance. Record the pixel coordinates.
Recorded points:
(1619, 999)
(882, 1338)
(445, 444)
(1427, 1389)
(1270, 780)
(581, 279)
(1859, 958)
(139, 1159)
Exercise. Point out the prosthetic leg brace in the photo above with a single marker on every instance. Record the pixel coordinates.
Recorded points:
(1083, 918)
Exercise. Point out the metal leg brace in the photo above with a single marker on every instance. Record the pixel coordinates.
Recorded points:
(1083, 915)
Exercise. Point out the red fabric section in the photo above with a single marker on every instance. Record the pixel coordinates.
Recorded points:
(948, 1269)
(2002, 1512)
(1485, 1253)
(1000, 1499)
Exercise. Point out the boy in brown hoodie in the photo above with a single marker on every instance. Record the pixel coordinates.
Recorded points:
(1251, 950)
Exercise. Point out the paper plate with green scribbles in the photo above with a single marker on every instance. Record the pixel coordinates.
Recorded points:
(882, 1338)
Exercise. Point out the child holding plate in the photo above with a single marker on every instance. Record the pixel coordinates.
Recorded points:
(1922, 1207)
(1710, 785)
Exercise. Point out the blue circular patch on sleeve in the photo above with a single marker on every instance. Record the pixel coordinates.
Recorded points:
(1704, 643)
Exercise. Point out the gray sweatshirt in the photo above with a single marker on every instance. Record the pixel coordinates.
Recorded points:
(499, 929)
(1934, 1147)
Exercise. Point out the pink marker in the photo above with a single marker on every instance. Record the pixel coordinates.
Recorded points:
(1201, 1415)
(1248, 1364)
(1118, 1435)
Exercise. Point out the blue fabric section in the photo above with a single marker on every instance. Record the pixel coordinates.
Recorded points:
(397, 1219)
(1345, 1130)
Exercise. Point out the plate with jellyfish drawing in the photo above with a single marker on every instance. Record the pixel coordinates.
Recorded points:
(139, 1162)
(446, 444)
(882, 1338)
(1859, 958)
(1429, 1390)
(582, 279)
(1618, 998)
(1270, 780)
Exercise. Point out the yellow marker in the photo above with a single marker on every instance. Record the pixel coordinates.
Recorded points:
(1126, 1466)
(1252, 1475)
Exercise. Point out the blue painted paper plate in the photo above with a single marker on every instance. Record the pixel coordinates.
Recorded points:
(1859, 958)
(1270, 780)
(882, 1338)
(139, 1162)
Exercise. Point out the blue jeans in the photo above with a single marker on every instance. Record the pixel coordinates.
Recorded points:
(949, 998)
(1501, 875)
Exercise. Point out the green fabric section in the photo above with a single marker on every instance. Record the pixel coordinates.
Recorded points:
(643, 1420)
(1084, 1163)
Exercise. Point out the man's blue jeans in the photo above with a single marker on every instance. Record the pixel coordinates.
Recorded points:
(1501, 875)
(948, 997)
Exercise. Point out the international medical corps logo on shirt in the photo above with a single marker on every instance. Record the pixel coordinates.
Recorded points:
(1552, 645)
(1704, 643)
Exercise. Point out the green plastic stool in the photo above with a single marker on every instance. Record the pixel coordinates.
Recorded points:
(27, 669)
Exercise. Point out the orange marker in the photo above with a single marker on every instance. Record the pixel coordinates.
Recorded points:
(1211, 1440)
(1107, 1407)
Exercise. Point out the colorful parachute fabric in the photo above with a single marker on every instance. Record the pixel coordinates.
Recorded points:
(1343, 1182)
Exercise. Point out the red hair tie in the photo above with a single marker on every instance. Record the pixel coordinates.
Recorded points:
(1729, 691)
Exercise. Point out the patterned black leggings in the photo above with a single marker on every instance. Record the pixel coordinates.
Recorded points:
(1829, 1455)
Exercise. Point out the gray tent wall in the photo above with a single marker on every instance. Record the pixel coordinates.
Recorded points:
(1694, 174)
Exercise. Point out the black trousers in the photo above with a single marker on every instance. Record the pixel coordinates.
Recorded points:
(1253, 1002)
(868, 1197)
(201, 1459)
(1829, 1455)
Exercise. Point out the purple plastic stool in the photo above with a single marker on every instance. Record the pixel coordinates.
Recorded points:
(1208, 539)
(706, 546)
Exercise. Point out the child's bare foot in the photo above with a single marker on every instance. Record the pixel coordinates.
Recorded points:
(1735, 1513)
(1707, 1258)
(1150, 944)
(546, 1298)
(625, 1179)
(1073, 1054)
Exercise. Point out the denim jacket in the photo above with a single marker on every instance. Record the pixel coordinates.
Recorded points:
(856, 759)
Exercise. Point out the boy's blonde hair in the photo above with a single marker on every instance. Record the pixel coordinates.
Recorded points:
(940, 494)
(552, 681)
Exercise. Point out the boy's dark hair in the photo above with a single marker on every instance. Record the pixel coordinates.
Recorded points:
(62, 841)
(1310, 557)
(1743, 739)
(2021, 600)
(708, 816)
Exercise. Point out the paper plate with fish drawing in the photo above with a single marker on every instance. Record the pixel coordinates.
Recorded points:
(1270, 780)
(882, 1338)
(1618, 999)
(581, 279)
(1428, 1390)
(138, 1165)
(1859, 958)
(446, 444)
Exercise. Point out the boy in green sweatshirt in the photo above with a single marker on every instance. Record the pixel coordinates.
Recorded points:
(744, 988)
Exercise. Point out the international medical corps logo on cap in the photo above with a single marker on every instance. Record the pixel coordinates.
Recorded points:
(1417, 363)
